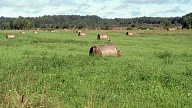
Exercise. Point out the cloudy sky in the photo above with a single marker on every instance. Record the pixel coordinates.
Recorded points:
(101, 8)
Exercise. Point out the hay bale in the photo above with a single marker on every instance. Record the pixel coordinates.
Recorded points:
(179, 27)
(65, 29)
(129, 33)
(170, 29)
(22, 32)
(10, 36)
(51, 31)
(102, 36)
(109, 49)
(81, 34)
(35, 32)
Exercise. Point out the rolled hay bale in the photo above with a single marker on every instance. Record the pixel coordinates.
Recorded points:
(179, 27)
(52, 31)
(109, 49)
(170, 29)
(35, 32)
(22, 32)
(129, 33)
(10, 36)
(81, 34)
(102, 36)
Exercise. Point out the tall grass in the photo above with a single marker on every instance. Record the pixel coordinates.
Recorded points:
(55, 70)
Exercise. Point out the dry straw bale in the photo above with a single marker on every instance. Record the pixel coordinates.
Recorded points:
(109, 49)
(81, 34)
(179, 27)
(35, 32)
(102, 36)
(22, 32)
(65, 29)
(129, 33)
(10, 36)
(170, 29)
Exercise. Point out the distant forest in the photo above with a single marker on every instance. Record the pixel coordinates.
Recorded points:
(50, 22)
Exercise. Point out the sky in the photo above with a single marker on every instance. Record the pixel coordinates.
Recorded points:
(102, 8)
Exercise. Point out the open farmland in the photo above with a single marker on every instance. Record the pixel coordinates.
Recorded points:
(54, 70)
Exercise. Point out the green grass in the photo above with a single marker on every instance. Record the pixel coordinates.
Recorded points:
(54, 70)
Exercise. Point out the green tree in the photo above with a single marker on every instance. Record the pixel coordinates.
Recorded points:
(82, 25)
(94, 26)
(58, 26)
(129, 27)
(105, 27)
(43, 26)
(167, 24)
(26, 24)
(187, 22)
(15, 24)
(32, 24)
(5, 25)
(20, 23)
(66, 25)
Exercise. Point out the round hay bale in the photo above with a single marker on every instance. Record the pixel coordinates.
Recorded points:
(10, 36)
(109, 49)
(129, 33)
(51, 31)
(22, 32)
(170, 29)
(103, 36)
(81, 34)
(34, 32)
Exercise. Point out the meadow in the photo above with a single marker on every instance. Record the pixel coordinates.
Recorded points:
(54, 70)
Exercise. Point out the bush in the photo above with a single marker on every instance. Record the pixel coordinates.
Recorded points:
(129, 28)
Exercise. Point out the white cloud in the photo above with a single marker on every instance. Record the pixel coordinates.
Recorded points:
(146, 1)
(102, 8)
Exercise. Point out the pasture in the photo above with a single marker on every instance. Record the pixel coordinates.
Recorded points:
(54, 70)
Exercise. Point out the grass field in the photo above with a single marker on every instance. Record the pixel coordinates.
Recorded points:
(54, 70)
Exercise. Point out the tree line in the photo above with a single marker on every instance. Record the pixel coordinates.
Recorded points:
(92, 22)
